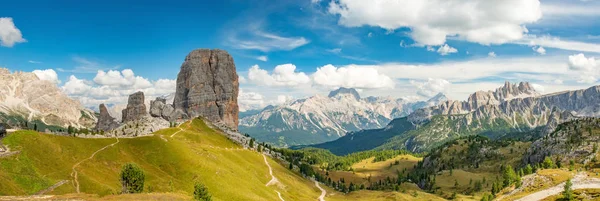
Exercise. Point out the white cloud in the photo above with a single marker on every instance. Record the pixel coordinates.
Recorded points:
(113, 87)
(431, 87)
(431, 21)
(580, 62)
(126, 77)
(492, 54)
(242, 79)
(252, 100)
(256, 39)
(283, 75)
(555, 9)
(75, 86)
(335, 50)
(446, 49)
(9, 33)
(539, 88)
(47, 74)
(430, 49)
(370, 35)
(34, 62)
(588, 68)
(556, 42)
(351, 77)
(262, 58)
(540, 50)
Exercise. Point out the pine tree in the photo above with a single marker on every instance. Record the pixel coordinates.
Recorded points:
(568, 192)
(201, 192)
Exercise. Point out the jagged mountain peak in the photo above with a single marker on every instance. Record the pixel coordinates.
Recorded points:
(343, 90)
(440, 97)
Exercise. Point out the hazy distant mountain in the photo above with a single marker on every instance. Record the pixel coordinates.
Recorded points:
(510, 108)
(323, 118)
(24, 97)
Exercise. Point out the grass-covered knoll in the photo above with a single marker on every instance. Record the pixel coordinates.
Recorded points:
(196, 154)
(369, 170)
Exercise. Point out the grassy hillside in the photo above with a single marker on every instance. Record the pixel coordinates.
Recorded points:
(195, 154)
(173, 160)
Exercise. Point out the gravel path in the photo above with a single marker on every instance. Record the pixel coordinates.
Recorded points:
(274, 179)
(74, 173)
(580, 181)
(323, 192)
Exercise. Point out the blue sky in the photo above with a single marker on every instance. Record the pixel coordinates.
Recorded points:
(283, 49)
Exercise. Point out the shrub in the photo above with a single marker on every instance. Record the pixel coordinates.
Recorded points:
(201, 192)
(132, 178)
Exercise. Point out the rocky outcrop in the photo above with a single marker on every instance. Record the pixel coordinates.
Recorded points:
(160, 108)
(207, 86)
(105, 121)
(136, 109)
(23, 95)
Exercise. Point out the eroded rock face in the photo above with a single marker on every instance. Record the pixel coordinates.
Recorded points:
(160, 108)
(105, 121)
(207, 86)
(136, 108)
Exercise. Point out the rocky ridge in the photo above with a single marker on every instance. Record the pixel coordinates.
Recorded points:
(510, 108)
(24, 96)
(323, 118)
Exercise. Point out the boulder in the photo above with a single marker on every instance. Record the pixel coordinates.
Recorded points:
(207, 86)
(105, 121)
(136, 109)
(159, 108)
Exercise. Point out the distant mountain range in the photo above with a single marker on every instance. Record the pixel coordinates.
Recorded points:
(26, 98)
(509, 109)
(324, 118)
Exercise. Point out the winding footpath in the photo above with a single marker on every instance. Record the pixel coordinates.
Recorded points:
(580, 181)
(274, 179)
(323, 192)
(180, 129)
(74, 173)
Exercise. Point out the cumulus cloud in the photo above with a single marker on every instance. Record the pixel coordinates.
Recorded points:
(431, 21)
(75, 86)
(351, 77)
(9, 33)
(492, 54)
(34, 62)
(540, 50)
(580, 62)
(242, 79)
(124, 78)
(588, 68)
(248, 100)
(113, 87)
(283, 75)
(48, 74)
(431, 87)
(446, 49)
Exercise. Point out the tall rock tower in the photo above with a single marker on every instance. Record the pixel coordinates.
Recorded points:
(136, 108)
(207, 86)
